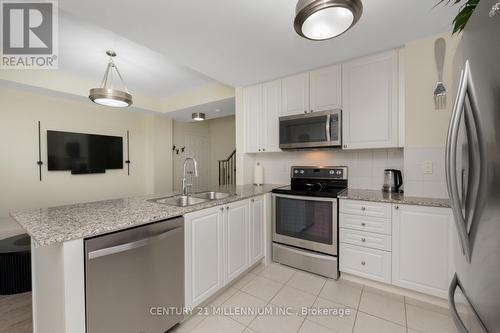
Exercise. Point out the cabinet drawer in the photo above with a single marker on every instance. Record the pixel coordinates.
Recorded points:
(365, 223)
(364, 262)
(366, 208)
(366, 239)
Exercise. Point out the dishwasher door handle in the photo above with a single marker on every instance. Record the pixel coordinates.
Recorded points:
(133, 245)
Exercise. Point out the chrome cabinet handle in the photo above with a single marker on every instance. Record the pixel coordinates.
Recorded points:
(363, 208)
(363, 263)
(363, 239)
(466, 89)
(363, 224)
(345, 146)
(396, 207)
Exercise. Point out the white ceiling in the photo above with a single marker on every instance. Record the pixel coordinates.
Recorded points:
(240, 42)
(82, 48)
(212, 110)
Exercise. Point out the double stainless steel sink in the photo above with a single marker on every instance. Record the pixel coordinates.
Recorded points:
(192, 199)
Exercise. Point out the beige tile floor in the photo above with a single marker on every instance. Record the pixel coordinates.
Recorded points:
(275, 286)
(371, 310)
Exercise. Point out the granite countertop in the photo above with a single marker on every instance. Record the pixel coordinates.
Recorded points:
(400, 198)
(58, 224)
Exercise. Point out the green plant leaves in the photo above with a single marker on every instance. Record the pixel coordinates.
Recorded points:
(463, 15)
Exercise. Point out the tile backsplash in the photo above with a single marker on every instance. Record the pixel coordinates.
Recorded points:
(423, 168)
(424, 172)
(365, 168)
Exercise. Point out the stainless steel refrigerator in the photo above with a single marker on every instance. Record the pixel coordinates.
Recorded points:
(473, 174)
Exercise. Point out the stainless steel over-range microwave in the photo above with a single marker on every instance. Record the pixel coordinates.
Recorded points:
(311, 130)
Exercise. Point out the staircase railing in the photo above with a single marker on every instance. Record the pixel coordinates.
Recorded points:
(227, 170)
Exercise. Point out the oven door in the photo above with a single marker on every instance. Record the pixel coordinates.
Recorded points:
(306, 222)
(319, 129)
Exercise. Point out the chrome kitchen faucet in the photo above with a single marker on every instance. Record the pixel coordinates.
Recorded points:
(185, 184)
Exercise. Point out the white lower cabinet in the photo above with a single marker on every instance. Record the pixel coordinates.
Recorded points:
(411, 247)
(365, 262)
(422, 248)
(237, 236)
(256, 229)
(366, 239)
(203, 244)
(220, 244)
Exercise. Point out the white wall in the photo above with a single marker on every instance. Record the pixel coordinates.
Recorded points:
(181, 131)
(426, 127)
(21, 188)
(222, 133)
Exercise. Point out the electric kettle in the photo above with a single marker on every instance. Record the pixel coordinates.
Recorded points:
(393, 180)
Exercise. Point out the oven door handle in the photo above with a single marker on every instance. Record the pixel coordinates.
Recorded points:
(302, 197)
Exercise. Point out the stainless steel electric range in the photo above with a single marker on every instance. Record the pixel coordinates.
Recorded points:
(305, 219)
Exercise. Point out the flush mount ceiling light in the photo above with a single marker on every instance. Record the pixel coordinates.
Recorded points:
(198, 116)
(106, 94)
(325, 19)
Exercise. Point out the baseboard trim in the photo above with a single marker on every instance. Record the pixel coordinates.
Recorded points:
(441, 302)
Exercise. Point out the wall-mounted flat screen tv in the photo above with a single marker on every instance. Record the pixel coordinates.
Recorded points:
(83, 153)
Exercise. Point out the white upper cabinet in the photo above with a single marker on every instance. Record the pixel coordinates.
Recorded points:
(295, 94)
(252, 105)
(422, 246)
(370, 98)
(262, 105)
(269, 125)
(369, 90)
(326, 88)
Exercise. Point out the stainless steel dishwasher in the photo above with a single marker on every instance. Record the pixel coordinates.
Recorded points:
(133, 277)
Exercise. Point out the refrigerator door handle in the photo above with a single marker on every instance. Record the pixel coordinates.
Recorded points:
(453, 307)
(455, 283)
(465, 102)
(451, 169)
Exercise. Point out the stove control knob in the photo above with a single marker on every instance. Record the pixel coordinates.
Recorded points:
(332, 172)
(339, 172)
(296, 172)
(301, 172)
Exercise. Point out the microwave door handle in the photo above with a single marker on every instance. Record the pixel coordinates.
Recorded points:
(327, 128)
(451, 169)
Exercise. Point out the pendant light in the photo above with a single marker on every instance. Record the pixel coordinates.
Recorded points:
(325, 19)
(106, 94)
(198, 116)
